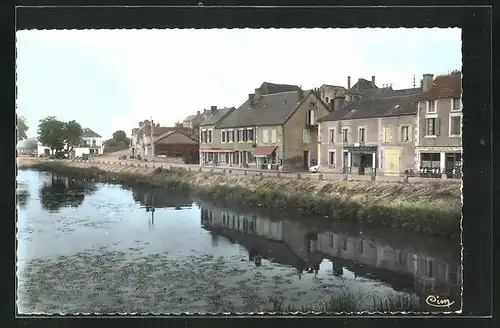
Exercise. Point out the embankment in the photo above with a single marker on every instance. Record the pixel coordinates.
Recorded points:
(433, 208)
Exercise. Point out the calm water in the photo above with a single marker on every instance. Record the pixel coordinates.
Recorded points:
(87, 247)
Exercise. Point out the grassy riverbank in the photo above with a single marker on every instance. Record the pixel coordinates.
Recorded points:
(433, 208)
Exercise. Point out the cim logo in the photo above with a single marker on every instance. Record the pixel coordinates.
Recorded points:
(435, 301)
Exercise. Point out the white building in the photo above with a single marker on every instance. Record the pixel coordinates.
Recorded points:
(91, 144)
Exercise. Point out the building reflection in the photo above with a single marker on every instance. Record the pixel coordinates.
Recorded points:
(65, 191)
(161, 198)
(294, 243)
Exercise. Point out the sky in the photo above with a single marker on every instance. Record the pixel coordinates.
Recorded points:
(109, 80)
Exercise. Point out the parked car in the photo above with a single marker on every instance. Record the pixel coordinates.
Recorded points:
(122, 157)
(85, 157)
(314, 169)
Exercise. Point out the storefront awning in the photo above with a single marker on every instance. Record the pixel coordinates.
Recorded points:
(216, 150)
(263, 151)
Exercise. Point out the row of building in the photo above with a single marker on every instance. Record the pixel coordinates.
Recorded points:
(355, 129)
(293, 243)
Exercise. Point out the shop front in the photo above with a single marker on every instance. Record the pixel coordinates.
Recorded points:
(440, 162)
(266, 158)
(360, 159)
(216, 156)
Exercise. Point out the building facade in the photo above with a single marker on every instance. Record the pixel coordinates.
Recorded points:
(373, 135)
(439, 126)
(270, 130)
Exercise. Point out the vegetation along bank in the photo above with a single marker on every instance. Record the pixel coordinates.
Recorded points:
(433, 208)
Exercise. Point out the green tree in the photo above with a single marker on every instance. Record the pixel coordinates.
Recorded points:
(72, 134)
(30, 144)
(22, 128)
(51, 133)
(120, 136)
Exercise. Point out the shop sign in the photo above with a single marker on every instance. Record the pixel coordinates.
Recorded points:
(361, 149)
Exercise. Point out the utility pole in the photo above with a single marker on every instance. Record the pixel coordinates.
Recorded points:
(414, 85)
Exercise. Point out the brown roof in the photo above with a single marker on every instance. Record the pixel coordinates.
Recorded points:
(169, 133)
(444, 86)
(157, 131)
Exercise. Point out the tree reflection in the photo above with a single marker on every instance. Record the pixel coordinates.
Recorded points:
(22, 197)
(65, 192)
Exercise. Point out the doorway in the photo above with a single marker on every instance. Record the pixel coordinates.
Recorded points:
(305, 159)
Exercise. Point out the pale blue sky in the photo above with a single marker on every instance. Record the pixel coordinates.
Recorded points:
(112, 79)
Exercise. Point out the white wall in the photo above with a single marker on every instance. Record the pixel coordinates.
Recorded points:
(41, 150)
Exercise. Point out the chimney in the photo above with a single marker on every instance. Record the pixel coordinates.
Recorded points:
(198, 113)
(141, 124)
(348, 82)
(339, 102)
(373, 80)
(257, 93)
(332, 104)
(300, 94)
(428, 78)
(251, 98)
(213, 109)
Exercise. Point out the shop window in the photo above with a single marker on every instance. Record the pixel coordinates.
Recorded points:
(430, 160)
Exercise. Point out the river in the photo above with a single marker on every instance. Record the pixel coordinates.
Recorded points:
(86, 247)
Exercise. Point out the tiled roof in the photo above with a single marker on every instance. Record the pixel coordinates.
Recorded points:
(190, 118)
(88, 133)
(270, 88)
(271, 109)
(445, 86)
(217, 116)
(159, 130)
(361, 86)
(169, 133)
(393, 103)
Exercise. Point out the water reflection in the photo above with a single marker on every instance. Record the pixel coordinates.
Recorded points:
(305, 245)
(22, 197)
(64, 191)
(160, 198)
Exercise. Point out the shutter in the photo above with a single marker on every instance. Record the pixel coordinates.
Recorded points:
(410, 133)
(400, 134)
(438, 126)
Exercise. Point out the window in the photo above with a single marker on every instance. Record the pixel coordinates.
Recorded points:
(344, 243)
(311, 117)
(361, 247)
(210, 136)
(431, 106)
(250, 157)
(362, 134)
(306, 135)
(326, 100)
(245, 135)
(230, 136)
(455, 126)
(332, 136)
(250, 135)
(430, 160)
(239, 135)
(457, 104)
(204, 136)
(93, 142)
(432, 126)
(331, 158)
(273, 136)
(330, 240)
(345, 135)
(405, 134)
(265, 135)
(223, 136)
(428, 268)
